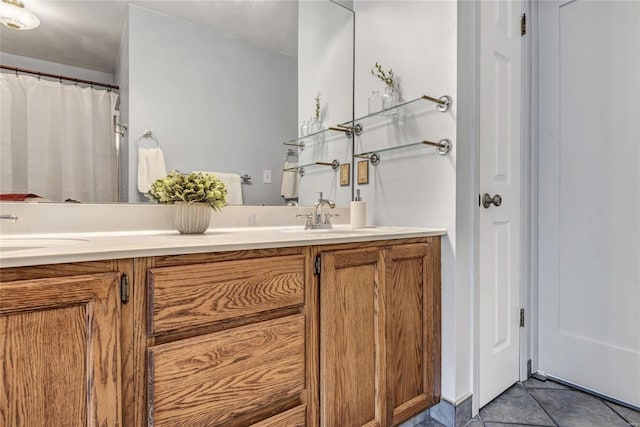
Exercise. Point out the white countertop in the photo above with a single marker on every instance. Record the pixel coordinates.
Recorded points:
(75, 247)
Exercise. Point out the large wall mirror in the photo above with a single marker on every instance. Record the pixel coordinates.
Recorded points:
(218, 85)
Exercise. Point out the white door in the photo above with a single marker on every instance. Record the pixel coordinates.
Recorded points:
(499, 232)
(589, 195)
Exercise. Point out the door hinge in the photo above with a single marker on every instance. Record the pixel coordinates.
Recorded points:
(522, 317)
(124, 288)
(523, 24)
(316, 266)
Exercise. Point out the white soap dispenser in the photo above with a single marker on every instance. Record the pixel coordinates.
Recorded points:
(358, 212)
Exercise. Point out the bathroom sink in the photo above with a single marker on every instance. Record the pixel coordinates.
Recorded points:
(24, 243)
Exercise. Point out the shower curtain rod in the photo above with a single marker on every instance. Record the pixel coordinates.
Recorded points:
(57, 76)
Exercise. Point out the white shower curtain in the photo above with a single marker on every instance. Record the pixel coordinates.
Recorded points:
(57, 140)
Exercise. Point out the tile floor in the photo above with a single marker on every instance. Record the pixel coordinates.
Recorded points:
(537, 403)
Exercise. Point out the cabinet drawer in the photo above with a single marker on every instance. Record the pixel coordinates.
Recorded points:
(188, 296)
(212, 379)
(295, 417)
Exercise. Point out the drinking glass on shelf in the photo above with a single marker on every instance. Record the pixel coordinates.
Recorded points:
(375, 102)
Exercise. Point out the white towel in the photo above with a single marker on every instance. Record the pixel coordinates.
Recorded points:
(150, 167)
(289, 188)
(233, 183)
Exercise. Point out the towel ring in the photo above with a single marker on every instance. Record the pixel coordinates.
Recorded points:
(147, 134)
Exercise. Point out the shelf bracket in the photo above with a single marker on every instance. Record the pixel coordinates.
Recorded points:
(442, 104)
(349, 131)
(444, 145)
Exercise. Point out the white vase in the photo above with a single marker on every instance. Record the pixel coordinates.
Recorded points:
(192, 218)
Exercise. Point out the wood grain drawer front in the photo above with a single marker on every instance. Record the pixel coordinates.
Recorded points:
(295, 417)
(196, 295)
(213, 379)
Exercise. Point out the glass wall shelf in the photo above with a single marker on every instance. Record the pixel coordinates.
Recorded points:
(442, 104)
(444, 146)
(335, 165)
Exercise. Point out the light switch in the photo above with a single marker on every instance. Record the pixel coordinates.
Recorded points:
(266, 176)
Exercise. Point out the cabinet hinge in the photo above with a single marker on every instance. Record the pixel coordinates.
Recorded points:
(124, 288)
(316, 266)
(523, 24)
(522, 317)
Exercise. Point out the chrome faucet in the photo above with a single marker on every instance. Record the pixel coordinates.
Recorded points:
(317, 220)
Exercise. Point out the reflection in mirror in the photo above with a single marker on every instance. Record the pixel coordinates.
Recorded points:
(325, 65)
(219, 85)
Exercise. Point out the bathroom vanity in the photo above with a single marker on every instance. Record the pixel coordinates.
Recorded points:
(280, 328)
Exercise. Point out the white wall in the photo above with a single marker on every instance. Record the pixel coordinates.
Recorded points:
(216, 103)
(414, 186)
(54, 68)
(325, 64)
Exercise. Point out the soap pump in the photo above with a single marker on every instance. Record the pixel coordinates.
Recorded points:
(358, 212)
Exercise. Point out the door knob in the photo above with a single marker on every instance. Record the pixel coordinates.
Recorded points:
(487, 200)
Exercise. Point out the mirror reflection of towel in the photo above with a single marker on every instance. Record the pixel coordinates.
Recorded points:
(289, 189)
(150, 167)
(233, 184)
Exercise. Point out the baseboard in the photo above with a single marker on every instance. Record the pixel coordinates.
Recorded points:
(451, 414)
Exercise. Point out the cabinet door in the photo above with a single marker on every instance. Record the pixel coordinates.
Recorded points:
(352, 342)
(413, 328)
(60, 351)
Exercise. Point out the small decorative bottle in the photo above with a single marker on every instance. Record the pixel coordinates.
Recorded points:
(375, 102)
(314, 125)
(304, 129)
(390, 99)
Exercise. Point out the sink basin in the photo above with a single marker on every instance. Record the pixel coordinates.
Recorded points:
(24, 243)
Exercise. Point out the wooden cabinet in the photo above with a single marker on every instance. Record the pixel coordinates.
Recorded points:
(352, 343)
(379, 333)
(413, 328)
(244, 338)
(60, 356)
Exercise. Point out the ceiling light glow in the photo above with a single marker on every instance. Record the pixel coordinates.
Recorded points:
(15, 16)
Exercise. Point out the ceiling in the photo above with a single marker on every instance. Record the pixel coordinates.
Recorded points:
(87, 33)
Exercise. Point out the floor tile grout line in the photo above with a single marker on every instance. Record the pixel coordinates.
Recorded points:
(553, 420)
(616, 412)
